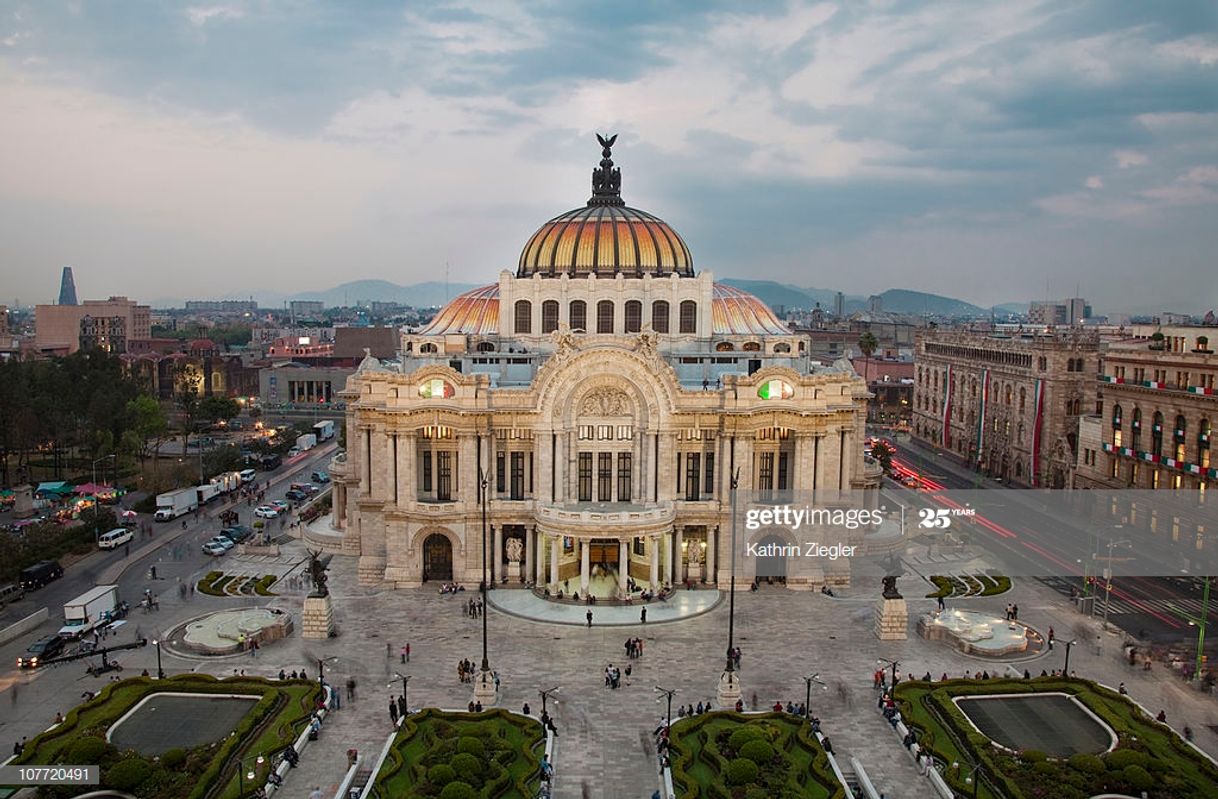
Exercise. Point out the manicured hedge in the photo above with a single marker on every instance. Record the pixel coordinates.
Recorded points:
(1144, 747)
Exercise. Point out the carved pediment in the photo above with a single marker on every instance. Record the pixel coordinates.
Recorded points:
(606, 402)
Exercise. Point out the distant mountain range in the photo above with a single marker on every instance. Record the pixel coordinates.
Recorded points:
(774, 294)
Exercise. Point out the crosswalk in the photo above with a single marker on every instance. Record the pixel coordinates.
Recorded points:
(1187, 607)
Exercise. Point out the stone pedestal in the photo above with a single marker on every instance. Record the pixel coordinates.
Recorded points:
(484, 689)
(513, 571)
(693, 572)
(891, 619)
(729, 692)
(317, 620)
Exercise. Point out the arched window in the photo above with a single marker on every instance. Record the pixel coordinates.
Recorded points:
(524, 316)
(578, 315)
(782, 348)
(1203, 444)
(724, 346)
(659, 316)
(751, 346)
(604, 316)
(1156, 434)
(689, 317)
(1178, 437)
(1007, 395)
(634, 316)
(1023, 397)
(1135, 428)
(427, 349)
(549, 316)
(486, 346)
(1020, 433)
(1018, 470)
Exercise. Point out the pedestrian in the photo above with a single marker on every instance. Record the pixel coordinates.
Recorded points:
(315, 793)
(643, 615)
(393, 712)
(407, 651)
(1051, 637)
(350, 689)
(1015, 612)
(402, 705)
(589, 617)
(282, 675)
(126, 550)
(388, 649)
(942, 604)
(402, 653)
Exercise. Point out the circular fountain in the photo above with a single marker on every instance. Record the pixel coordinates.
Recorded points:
(982, 634)
(228, 632)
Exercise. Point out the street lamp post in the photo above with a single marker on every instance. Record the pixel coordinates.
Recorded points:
(545, 694)
(160, 673)
(669, 694)
(893, 664)
(1200, 622)
(96, 531)
(811, 678)
(1066, 670)
(242, 776)
(1108, 577)
(729, 683)
(405, 678)
(971, 778)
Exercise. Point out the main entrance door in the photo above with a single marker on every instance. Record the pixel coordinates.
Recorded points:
(437, 558)
(772, 567)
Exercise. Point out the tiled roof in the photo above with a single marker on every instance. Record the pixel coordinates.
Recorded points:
(605, 240)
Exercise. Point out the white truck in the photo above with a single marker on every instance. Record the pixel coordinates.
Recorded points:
(94, 608)
(207, 492)
(227, 481)
(173, 504)
(324, 430)
(306, 442)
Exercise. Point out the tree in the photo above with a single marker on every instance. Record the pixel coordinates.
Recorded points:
(148, 422)
(868, 345)
(215, 409)
(186, 384)
(883, 455)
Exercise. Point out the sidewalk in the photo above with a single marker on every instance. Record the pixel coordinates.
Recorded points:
(361, 724)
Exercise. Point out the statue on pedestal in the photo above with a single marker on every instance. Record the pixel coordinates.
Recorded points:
(890, 588)
(515, 550)
(317, 571)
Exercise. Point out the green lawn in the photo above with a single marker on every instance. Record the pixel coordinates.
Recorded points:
(493, 754)
(1149, 756)
(205, 772)
(725, 755)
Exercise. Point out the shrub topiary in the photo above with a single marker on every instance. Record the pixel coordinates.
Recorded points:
(1138, 778)
(458, 790)
(471, 745)
(1088, 764)
(466, 766)
(126, 775)
(1123, 758)
(173, 759)
(441, 774)
(742, 736)
(86, 749)
(1032, 756)
(741, 771)
(758, 751)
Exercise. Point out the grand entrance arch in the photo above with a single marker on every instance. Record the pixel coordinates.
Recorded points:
(437, 558)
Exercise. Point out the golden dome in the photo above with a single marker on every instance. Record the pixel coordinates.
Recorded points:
(606, 237)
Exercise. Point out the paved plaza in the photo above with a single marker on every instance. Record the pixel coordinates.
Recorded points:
(604, 749)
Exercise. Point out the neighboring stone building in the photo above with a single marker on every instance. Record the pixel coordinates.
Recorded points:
(1153, 421)
(59, 329)
(1009, 406)
(290, 385)
(608, 393)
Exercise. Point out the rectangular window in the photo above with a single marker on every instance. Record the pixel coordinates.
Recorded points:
(530, 459)
(692, 464)
(585, 477)
(517, 475)
(444, 476)
(625, 432)
(1115, 466)
(604, 476)
(604, 432)
(784, 475)
(426, 472)
(586, 432)
(549, 316)
(689, 317)
(708, 475)
(634, 316)
(639, 549)
(1116, 438)
(604, 316)
(500, 472)
(578, 315)
(765, 472)
(623, 476)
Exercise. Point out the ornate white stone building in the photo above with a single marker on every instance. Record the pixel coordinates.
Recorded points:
(608, 394)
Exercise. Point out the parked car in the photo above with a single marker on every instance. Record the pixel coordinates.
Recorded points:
(248, 475)
(320, 477)
(296, 495)
(237, 533)
(40, 651)
(40, 574)
(11, 593)
(214, 548)
(293, 452)
(311, 489)
(281, 506)
(266, 512)
(115, 538)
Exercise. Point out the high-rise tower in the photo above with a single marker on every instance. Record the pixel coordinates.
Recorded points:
(67, 288)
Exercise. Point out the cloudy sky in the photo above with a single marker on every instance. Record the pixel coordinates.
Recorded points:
(990, 151)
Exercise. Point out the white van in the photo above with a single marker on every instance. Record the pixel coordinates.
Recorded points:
(248, 475)
(115, 538)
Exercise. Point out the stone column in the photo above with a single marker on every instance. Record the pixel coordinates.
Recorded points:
(407, 487)
(847, 456)
(555, 550)
(831, 453)
(585, 565)
(679, 569)
(623, 565)
(540, 561)
(668, 566)
(496, 553)
(654, 550)
(467, 470)
(744, 462)
(529, 535)
(819, 449)
(712, 539)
